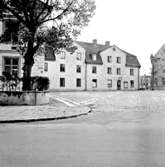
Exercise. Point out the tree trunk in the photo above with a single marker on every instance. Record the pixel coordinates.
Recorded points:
(28, 64)
(27, 77)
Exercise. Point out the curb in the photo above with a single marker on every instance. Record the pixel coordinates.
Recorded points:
(44, 119)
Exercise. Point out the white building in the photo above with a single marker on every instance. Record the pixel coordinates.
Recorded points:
(94, 67)
(91, 67)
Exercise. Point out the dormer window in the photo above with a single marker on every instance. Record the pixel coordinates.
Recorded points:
(94, 57)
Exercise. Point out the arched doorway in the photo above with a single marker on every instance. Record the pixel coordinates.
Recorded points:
(118, 84)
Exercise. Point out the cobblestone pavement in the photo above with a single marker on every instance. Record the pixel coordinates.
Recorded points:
(121, 106)
(54, 110)
(108, 106)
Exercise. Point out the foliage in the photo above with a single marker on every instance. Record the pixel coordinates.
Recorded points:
(10, 82)
(40, 83)
(54, 22)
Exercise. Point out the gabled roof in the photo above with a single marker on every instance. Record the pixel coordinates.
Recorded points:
(91, 49)
(131, 60)
(161, 52)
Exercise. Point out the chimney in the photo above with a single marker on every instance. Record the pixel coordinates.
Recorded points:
(107, 43)
(95, 41)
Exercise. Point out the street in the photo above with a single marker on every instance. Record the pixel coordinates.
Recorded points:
(123, 129)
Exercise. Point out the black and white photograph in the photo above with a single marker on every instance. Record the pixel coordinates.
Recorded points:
(82, 83)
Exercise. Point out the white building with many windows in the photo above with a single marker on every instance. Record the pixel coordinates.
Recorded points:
(93, 67)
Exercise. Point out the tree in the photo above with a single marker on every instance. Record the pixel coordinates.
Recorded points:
(51, 22)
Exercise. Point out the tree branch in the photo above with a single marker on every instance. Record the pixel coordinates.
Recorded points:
(58, 16)
(44, 8)
(20, 18)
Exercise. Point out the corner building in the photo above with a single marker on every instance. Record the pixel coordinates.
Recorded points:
(92, 67)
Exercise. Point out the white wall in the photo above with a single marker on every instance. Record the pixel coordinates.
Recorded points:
(125, 71)
(70, 73)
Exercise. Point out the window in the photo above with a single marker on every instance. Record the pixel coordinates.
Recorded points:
(109, 70)
(78, 69)
(94, 83)
(118, 71)
(62, 67)
(94, 69)
(62, 55)
(132, 84)
(78, 82)
(109, 59)
(46, 67)
(78, 55)
(163, 81)
(109, 83)
(163, 70)
(94, 57)
(11, 66)
(131, 71)
(118, 59)
(62, 82)
(125, 84)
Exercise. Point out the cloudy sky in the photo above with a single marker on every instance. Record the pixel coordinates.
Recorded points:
(136, 26)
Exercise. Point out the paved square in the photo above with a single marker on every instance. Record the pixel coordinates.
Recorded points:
(124, 129)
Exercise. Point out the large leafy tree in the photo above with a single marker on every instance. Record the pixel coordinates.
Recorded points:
(51, 22)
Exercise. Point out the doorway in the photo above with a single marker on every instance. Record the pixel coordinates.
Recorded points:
(119, 85)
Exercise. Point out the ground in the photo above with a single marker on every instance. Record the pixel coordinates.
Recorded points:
(124, 129)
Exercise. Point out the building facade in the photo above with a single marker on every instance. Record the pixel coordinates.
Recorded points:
(92, 66)
(158, 69)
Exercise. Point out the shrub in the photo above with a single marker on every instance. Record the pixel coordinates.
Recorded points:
(40, 83)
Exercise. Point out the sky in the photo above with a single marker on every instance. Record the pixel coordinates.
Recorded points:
(136, 26)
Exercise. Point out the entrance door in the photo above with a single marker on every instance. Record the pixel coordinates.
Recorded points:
(119, 85)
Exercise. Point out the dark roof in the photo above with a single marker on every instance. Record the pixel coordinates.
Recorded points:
(91, 49)
(132, 61)
(89, 59)
(49, 54)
